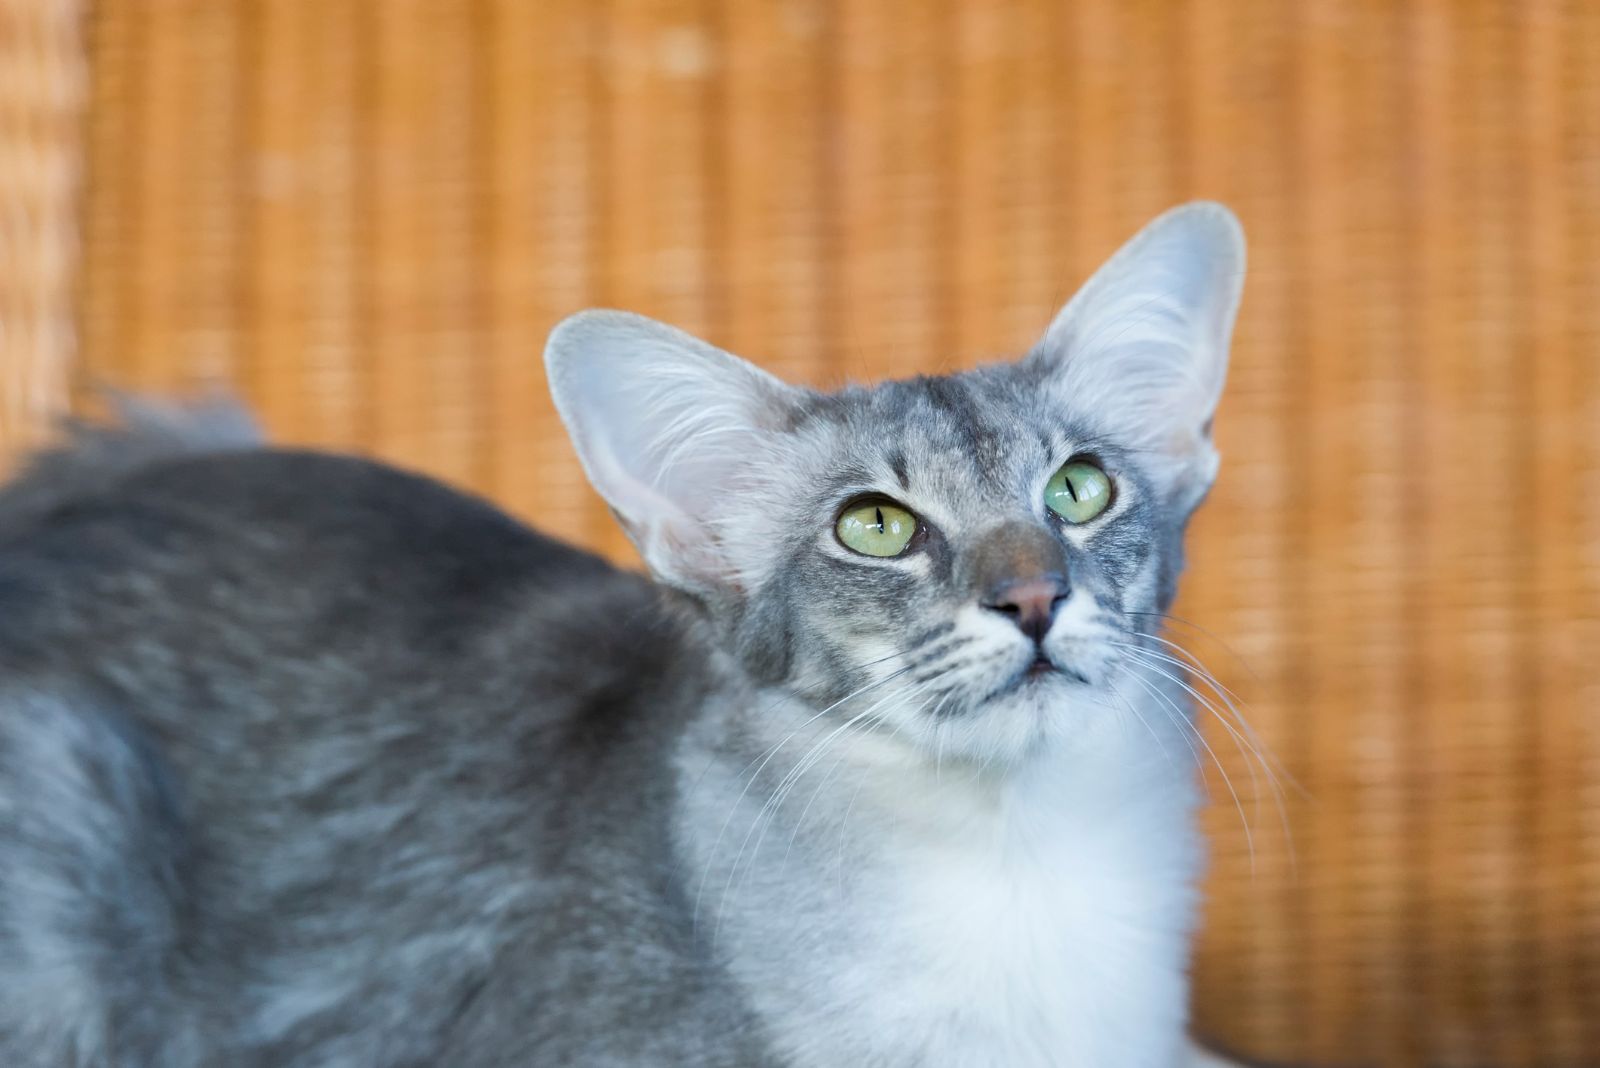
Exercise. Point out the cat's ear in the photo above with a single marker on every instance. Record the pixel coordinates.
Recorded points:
(661, 421)
(1143, 347)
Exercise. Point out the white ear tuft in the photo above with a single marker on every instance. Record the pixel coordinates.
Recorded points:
(1145, 342)
(662, 422)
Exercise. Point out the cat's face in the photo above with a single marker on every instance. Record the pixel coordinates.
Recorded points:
(961, 560)
(964, 554)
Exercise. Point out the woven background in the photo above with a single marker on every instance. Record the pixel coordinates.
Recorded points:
(365, 216)
(42, 68)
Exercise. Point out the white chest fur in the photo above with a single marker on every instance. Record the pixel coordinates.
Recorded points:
(1041, 923)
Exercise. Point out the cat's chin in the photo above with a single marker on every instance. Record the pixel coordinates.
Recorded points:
(1042, 713)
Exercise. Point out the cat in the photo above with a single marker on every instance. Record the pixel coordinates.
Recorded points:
(308, 761)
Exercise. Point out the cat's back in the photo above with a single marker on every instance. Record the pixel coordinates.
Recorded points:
(288, 553)
(256, 610)
(323, 744)
(275, 518)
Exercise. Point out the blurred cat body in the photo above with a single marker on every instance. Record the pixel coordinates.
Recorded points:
(304, 760)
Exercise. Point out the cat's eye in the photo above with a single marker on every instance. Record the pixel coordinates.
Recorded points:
(876, 527)
(1078, 491)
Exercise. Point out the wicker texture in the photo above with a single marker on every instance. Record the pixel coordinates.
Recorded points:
(367, 215)
(41, 101)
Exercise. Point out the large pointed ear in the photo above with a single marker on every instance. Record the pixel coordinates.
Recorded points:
(1143, 347)
(662, 422)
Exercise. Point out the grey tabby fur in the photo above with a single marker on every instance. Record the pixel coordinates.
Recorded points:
(308, 761)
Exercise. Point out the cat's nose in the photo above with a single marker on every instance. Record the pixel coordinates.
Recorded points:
(1030, 603)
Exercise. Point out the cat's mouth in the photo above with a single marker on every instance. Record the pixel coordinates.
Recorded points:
(1042, 665)
(1040, 670)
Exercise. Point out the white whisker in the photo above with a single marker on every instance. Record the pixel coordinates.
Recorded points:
(1244, 821)
(769, 809)
(763, 760)
(1144, 722)
(1248, 743)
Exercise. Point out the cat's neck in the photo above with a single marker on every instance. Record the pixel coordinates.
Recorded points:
(1000, 907)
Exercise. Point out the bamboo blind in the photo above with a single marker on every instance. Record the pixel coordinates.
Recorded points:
(366, 216)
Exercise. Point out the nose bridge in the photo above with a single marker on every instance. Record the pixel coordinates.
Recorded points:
(1016, 551)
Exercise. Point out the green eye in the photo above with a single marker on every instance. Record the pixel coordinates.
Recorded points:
(876, 528)
(1078, 492)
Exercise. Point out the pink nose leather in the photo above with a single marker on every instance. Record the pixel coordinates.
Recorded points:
(1030, 603)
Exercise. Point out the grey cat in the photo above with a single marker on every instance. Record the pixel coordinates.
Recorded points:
(308, 761)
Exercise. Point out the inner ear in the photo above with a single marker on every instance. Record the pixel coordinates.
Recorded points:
(1144, 344)
(665, 426)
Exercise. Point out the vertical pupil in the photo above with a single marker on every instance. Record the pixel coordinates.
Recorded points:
(1072, 491)
(879, 513)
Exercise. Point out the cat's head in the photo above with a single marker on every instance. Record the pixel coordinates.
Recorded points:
(955, 559)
